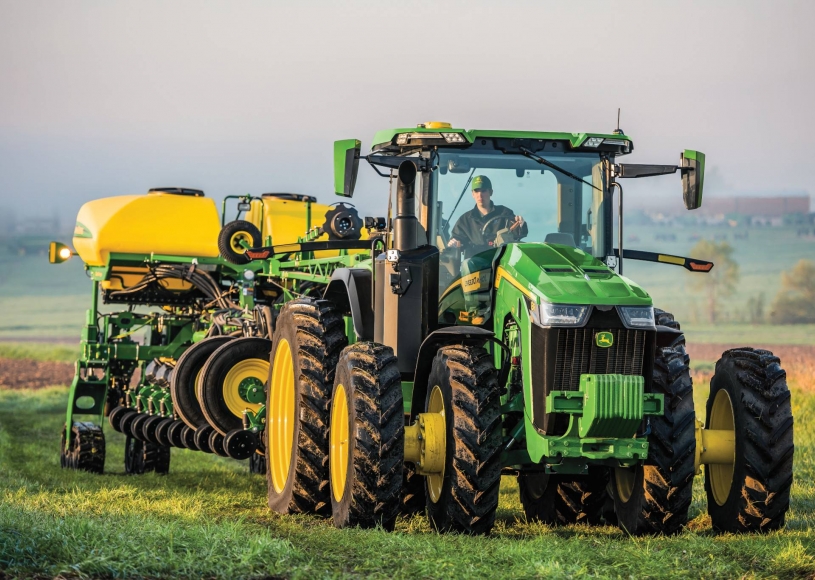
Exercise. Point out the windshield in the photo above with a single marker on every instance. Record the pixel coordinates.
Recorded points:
(553, 206)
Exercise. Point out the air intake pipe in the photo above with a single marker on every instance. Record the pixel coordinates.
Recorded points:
(405, 224)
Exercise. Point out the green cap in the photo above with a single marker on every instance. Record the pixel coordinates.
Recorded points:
(482, 182)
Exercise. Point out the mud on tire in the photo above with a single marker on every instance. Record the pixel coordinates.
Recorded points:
(313, 332)
(759, 494)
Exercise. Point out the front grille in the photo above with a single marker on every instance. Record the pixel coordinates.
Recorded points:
(577, 353)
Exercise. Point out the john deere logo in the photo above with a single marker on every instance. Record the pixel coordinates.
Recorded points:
(604, 339)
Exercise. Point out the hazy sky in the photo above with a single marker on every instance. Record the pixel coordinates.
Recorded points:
(106, 98)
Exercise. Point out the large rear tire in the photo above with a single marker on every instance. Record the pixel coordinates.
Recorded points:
(654, 498)
(188, 369)
(367, 438)
(749, 394)
(232, 380)
(463, 386)
(309, 336)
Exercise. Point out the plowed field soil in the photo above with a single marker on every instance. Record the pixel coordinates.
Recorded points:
(32, 374)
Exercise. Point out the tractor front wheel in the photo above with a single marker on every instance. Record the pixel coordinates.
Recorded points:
(463, 388)
(654, 498)
(366, 438)
(564, 499)
(749, 396)
(308, 339)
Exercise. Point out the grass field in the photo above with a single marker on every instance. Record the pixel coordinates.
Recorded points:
(208, 518)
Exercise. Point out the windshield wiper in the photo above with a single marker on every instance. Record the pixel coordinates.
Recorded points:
(527, 153)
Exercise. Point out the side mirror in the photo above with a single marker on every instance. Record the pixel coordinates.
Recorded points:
(692, 166)
(346, 166)
(58, 253)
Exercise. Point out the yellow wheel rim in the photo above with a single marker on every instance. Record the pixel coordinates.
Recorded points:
(280, 416)
(246, 369)
(436, 480)
(236, 239)
(338, 443)
(721, 474)
(624, 480)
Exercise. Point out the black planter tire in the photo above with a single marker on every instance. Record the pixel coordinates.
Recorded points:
(201, 438)
(137, 425)
(367, 438)
(231, 234)
(467, 498)
(148, 428)
(654, 498)
(216, 444)
(183, 385)
(86, 448)
(218, 388)
(240, 444)
(188, 438)
(761, 477)
(162, 432)
(142, 457)
(309, 336)
(126, 422)
(174, 433)
(116, 415)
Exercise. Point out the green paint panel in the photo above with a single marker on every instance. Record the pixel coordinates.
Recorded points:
(612, 405)
(527, 264)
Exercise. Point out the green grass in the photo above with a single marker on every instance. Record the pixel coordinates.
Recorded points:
(42, 351)
(208, 518)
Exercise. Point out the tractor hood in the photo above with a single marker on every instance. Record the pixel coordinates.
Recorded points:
(566, 275)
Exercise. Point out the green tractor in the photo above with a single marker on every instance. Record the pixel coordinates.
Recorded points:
(470, 342)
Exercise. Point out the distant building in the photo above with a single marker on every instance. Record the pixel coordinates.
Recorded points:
(762, 207)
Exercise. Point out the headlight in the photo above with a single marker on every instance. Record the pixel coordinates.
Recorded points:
(637, 316)
(563, 314)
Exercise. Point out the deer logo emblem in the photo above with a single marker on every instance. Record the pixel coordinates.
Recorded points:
(604, 339)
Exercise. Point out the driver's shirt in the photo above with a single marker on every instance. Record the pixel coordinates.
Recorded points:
(468, 227)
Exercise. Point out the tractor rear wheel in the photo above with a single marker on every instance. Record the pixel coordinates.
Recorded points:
(141, 457)
(654, 498)
(564, 499)
(413, 495)
(185, 376)
(366, 438)
(231, 236)
(749, 395)
(309, 336)
(463, 387)
(85, 449)
(232, 380)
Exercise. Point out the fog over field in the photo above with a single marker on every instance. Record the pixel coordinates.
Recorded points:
(106, 98)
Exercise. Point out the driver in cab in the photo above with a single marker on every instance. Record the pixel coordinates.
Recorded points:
(476, 229)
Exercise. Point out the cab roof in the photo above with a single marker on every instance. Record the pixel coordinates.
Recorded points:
(388, 137)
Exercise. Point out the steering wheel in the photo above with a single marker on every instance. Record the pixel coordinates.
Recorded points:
(489, 221)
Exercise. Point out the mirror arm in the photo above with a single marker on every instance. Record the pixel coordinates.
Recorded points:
(629, 170)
